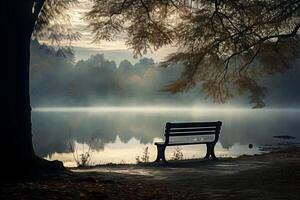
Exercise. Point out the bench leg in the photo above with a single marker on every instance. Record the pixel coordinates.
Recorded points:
(210, 152)
(160, 153)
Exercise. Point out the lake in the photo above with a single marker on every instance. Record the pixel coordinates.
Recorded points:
(120, 134)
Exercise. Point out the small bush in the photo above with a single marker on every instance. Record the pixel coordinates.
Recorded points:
(177, 154)
(144, 158)
(82, 159)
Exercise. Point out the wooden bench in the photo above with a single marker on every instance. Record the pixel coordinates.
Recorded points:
(189, 134)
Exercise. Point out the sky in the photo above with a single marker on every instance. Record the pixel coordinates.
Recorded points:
(113, 50)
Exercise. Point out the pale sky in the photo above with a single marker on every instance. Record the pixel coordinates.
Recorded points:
(114, 50)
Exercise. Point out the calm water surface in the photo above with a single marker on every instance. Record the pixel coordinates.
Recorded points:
(120, 134)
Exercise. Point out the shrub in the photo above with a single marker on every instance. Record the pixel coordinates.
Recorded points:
(144, 158)
(82, 159)
(177, 154)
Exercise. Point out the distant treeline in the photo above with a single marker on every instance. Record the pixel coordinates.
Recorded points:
(57, 80)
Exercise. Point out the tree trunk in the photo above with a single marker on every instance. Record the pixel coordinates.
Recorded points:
(18, 157)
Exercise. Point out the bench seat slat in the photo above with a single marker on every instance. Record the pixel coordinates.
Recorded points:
(193, 124)
(183, 143)
(192, 133)
(187, 143)
(191, 129)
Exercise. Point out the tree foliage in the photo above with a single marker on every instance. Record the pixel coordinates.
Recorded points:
(51, 22)
(227, 46)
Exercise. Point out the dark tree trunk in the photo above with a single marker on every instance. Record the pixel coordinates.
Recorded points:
(18, 157)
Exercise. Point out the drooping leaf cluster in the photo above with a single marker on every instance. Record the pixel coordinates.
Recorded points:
(51, 22)
(148, 24)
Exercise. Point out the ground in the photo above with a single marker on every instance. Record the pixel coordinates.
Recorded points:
(273, 176)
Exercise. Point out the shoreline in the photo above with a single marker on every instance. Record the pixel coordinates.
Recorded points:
(274, 175)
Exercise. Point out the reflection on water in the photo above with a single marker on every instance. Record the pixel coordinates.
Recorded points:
(122, 133)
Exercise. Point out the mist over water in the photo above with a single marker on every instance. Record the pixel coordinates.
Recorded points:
(121, 133)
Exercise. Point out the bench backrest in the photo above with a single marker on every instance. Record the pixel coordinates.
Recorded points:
(192, 129)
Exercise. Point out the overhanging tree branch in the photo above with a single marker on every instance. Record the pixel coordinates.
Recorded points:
(210, 34)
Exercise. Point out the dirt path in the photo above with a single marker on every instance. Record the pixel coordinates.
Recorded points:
(270, 176)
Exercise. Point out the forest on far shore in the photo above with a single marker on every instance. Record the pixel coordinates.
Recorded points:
(57, 80)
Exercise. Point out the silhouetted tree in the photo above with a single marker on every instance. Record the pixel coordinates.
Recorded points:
(225, 45)
(20, 22)
(125, 66)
